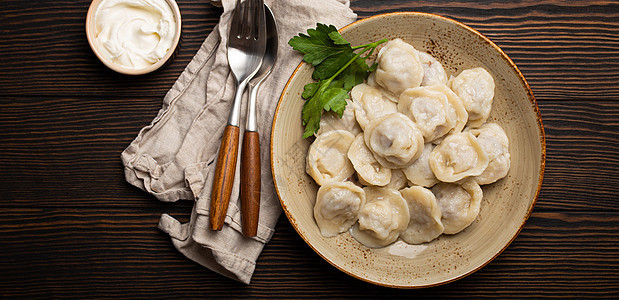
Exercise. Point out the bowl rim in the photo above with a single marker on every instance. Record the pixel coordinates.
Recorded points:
(540, 126)
(90, 18)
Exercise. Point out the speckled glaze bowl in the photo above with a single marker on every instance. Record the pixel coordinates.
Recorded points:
(506, 204)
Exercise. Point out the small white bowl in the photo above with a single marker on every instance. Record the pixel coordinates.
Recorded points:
(90, 35)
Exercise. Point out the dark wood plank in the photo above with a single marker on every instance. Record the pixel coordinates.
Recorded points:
(120, 253)
(73, 145)
(552, 42)
(44, 51)
(582, 155)
(70, 226)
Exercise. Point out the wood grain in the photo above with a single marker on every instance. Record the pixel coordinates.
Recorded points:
(250, 183)
(224, 176)
(71, 227)
(540, 262)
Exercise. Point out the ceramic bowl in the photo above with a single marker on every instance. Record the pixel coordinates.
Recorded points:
(506, 204)
(91, 37)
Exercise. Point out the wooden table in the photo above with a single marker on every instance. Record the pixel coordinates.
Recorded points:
(70, 226)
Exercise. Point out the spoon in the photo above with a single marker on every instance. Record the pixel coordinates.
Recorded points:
(250, 152)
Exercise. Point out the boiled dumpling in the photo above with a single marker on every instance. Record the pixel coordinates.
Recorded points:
(425, 223)
(458, 156)
(436, 110)
(399, 68)
(383, 217)
(459, 204)
(398, 180)
(429, 110)
(369, 170)
(419, 172)
(395, 140)
(332, 121)
(337, 207)
(456, 105)
(369, 104)
(476, 89)
(433, 71)
(327, 157)
(494, 141)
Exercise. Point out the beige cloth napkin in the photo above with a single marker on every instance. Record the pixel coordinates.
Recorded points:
(174, 157)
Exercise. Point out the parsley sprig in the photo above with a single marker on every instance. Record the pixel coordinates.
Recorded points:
(338, 67)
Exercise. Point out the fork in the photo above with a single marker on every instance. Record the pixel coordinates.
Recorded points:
(246, 48)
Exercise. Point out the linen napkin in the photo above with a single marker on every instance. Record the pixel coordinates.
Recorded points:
(174, 156)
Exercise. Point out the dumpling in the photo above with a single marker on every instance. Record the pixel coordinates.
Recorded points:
(332, 121)
(459, 204)
(395, 140)
(399, 68)
(419, 172)
(494, 141)
(369, 170)
(458, 156)
(425, 222)
(476, 89)
(337, 207)
(369, 104)
(433, 71)
(436, 110)
(456, 105)
(383, 217)
(327, 157)
(398, 180)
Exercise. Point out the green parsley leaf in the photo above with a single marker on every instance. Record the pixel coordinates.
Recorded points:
(337, 38)
(317, 45)
(330, 99)
(310, 89)
(338, 68)
(332, 64)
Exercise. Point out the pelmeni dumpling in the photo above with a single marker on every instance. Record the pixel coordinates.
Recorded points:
(332, 121)
(337, 207)
(476, 89)
(398, 180)
(395, 140)
(433, 71)
(436, 110)
(459, 204)
(458, 156)
(369, 170)
(383, 217)
(494, 141)
(425, 222)
(419, 172)
(399, 68)
(369, 104)
(327, 157)
(456, 105)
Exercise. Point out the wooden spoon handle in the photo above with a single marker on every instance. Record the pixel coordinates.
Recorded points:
(250, 182)
(224, 176)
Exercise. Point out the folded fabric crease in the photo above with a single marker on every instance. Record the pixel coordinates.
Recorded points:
(173, 158)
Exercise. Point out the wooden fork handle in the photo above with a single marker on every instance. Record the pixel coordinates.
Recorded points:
(224, 176)
(250, 183)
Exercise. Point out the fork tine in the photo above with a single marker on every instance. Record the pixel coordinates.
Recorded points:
(234, 26)
(250, 18)
(246, 24)
(261, 23)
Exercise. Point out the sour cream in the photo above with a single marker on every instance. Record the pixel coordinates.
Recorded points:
(134, 33)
